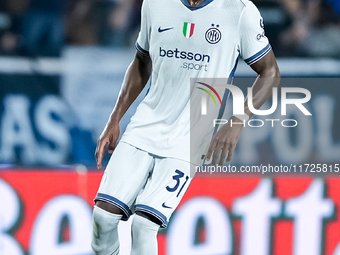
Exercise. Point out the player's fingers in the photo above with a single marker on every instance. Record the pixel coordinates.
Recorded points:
(97, 149)
(112, 146)
(223, 156)
(211, 148)
(217, 153)
(231, 152)
(100, 152)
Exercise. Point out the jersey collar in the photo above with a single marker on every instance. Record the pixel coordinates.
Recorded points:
(194, 8)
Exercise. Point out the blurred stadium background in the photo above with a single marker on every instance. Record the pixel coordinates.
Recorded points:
(61, 66)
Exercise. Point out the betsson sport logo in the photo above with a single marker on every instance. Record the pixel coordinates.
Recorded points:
(198, 61)
(238, 104)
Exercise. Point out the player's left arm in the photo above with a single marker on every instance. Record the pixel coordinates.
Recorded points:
(225, 140)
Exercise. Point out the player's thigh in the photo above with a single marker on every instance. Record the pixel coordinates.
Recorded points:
(124, 177)
(165, 188)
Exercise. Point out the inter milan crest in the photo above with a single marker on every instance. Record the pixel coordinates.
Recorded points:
(213, 35)
(188, 29)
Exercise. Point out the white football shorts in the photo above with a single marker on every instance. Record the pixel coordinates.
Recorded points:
(135, 180)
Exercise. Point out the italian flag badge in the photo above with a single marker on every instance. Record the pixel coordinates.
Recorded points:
(188, 29)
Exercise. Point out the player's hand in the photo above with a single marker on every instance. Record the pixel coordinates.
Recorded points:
(224, 142)
(108, 137)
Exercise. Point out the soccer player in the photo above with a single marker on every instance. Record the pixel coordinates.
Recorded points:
(149, 170)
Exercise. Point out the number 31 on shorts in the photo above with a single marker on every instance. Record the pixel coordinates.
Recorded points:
(177, 177)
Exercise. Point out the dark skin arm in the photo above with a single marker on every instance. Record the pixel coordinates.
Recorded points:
(226, 139)
(135, 79)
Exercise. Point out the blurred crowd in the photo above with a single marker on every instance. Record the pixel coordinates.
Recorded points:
(303, 28)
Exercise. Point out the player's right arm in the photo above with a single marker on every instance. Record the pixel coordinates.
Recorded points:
(135, 79)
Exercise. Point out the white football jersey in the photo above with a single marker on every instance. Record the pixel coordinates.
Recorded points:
(189, 42)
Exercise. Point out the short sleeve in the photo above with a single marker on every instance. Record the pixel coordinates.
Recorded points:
(143, 40)
(253, 44)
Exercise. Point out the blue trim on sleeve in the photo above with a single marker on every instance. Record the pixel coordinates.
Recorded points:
(140, 49)
(226, 93)
(194, 8)
(253, 59)
(243, 3)
(112, 200)
(232, 73)
(153, 212)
